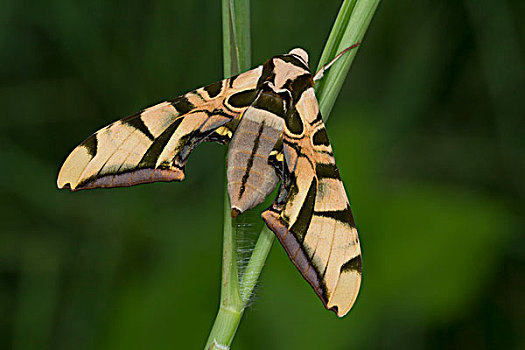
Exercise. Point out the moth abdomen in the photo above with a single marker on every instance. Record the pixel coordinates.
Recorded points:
(251, 178)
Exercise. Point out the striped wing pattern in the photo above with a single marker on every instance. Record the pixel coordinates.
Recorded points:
(154, 145)
(312, 216)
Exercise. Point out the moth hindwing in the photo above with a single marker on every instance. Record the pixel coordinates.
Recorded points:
(270, 117)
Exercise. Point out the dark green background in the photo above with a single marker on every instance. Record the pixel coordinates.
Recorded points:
(428, 132)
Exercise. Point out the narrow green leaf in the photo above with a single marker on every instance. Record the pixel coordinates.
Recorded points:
(332, 44)
(236, 36)
(357, 15)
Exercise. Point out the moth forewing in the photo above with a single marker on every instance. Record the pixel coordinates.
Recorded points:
(153, 145)
(315, 223)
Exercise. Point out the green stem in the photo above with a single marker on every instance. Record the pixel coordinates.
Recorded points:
(256, 263)
(224, 328)
(236, 36)
(236, 56)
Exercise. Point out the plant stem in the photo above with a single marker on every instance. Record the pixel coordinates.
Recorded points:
(236, 56)
(256, 263)
(236, 36)
(350, 26)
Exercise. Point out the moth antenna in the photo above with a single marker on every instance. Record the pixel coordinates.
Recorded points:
(320, 74)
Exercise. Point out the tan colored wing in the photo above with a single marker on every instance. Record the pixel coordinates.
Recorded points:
(154, 145)
(312, 216)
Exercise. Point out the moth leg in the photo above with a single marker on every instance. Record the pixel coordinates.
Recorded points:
(222, 135)
(276, 158)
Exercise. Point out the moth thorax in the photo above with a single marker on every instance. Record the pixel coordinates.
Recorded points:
(300, 53)
(250, 177)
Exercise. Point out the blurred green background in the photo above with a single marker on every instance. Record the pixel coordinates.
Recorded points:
(428, 132)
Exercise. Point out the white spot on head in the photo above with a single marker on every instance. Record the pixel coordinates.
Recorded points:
(300, 53)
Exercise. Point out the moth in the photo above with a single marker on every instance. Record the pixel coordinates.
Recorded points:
(270, 117)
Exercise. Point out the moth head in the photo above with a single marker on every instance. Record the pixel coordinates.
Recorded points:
(300, 53)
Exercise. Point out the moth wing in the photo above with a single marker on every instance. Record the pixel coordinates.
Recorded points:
(311, 217)
(154, 144)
